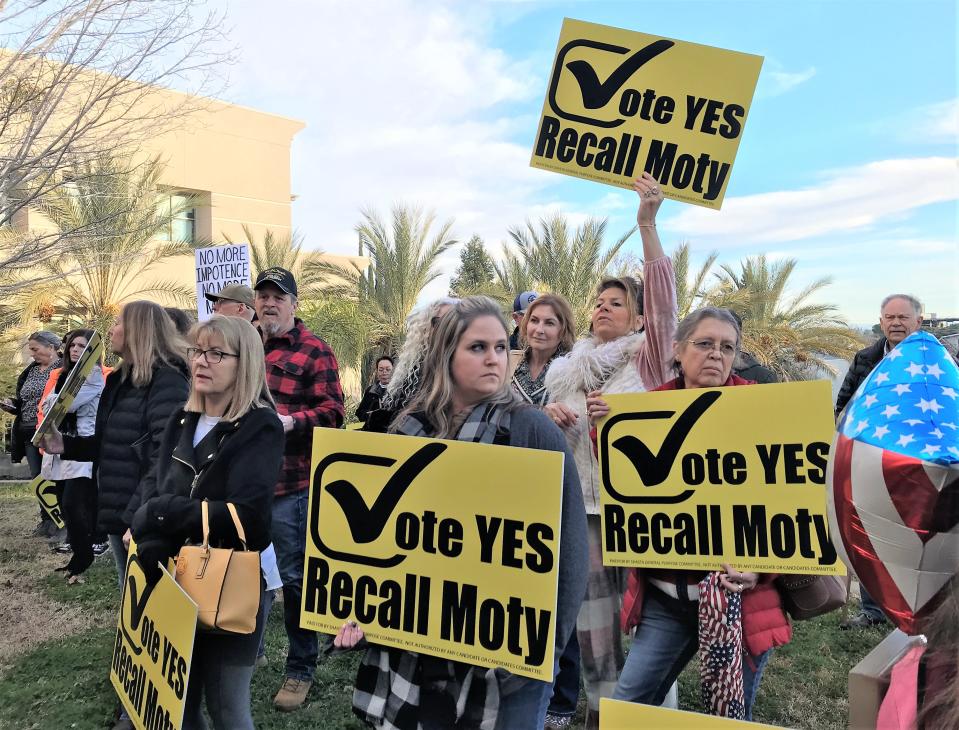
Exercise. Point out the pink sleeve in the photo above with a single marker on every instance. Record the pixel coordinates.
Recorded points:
(659, 305)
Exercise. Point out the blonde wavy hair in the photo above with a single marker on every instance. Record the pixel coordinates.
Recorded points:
(237, 336)
(409, 363)
(149, 338)
(435, 396)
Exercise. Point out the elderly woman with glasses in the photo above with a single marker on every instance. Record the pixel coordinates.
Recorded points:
(663, 605)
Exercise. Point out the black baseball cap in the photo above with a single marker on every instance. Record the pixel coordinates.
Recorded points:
(279, 277)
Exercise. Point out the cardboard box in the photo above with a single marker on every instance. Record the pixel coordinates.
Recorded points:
(869, 680)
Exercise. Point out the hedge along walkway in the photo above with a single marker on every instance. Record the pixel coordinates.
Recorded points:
(56, 642)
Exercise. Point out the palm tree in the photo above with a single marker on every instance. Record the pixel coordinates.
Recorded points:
(403, 260)
(556, 259)
(792, 336)
(111, 226)
(285, 251)
(690, 295)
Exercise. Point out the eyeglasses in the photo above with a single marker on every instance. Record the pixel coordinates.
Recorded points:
(213, 357)
(726, 349)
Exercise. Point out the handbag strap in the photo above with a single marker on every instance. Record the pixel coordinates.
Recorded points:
(205, 514)
(236, 523)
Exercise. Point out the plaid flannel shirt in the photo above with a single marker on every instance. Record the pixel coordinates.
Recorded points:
(303, 376)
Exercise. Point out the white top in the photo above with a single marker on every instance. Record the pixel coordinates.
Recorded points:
(271, 572)
(203, 427)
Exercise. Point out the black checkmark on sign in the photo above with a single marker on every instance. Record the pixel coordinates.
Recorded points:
(366, 523)
(596, 95)
(653, 469)
(137, 602)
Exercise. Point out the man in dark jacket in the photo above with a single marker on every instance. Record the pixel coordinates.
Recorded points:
(899, 316)
(303, 376)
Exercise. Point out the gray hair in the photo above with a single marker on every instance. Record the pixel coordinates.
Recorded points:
(916, 304)
(45, 337)
(686, 328)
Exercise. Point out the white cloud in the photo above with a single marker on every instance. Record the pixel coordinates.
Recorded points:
(846, 199)
(774, 80)
(936, 122)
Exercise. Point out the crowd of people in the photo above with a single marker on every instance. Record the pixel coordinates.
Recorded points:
(221, 413)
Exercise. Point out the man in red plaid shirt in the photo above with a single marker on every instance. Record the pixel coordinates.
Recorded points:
(304, 379)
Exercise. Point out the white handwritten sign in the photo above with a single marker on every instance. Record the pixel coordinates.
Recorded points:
(217, 267)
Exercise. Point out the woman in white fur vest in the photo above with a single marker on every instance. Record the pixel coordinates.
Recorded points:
(628, 351)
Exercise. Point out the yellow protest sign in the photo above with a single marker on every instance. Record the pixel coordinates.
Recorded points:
(92, 355)
(153, 649)
(47, 497)
(697, 478)
(445, 548)
(617, 715)
(620, 103)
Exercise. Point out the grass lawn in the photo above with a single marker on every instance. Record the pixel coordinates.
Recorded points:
(55, 646)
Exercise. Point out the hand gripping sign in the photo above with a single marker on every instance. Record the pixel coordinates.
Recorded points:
(620, 103)
(153, 648)
(697, 478)
(445, 548)
(92, 354)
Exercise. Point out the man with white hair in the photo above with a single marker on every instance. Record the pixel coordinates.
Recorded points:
(899, 316)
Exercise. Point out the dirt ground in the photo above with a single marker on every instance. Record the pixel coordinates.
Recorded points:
(28, 616)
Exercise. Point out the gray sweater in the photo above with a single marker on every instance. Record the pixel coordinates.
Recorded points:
(530, 428)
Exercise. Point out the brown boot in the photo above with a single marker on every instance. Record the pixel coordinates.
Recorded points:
(292, 694)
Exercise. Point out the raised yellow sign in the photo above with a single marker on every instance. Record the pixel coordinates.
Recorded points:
(620, 103)
(445, 548)
(697, 478)
(153, 649)
(46, 492)
(617, 715)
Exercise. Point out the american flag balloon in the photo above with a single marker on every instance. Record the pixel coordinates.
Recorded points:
(893, 480)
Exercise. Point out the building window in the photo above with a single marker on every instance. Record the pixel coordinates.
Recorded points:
(182, 225)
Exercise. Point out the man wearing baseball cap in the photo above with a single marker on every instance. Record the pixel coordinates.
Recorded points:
(235, 300)
(520, 305)
(303, 376)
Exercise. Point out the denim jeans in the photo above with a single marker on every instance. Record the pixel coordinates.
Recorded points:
(869, 605)
(220, 676)
(566, 685)
(289, 539)
(666, 639)
(524, 708)
(119, 556)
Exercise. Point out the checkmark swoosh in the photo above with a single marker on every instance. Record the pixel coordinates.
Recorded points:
(367, 523)
(138, 605)
(596, 95)
(654, 468)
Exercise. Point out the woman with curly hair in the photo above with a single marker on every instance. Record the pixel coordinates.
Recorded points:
(405, 381)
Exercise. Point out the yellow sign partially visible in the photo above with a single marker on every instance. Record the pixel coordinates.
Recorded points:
(620, 103)
(617, 715)
(153, 649)
(47, 497)
(697, 478)
(445, 548)
(92, 355)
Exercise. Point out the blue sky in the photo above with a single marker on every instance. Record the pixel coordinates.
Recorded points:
(847, 162)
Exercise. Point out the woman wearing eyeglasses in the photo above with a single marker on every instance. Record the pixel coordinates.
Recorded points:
(224, 447)
(664, 605)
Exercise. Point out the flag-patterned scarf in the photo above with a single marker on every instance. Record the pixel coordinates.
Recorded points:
(721, 649)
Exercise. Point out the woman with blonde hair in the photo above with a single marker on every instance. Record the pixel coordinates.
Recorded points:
(628, 350)
(465, 395)
(137, 400)
(224, 449)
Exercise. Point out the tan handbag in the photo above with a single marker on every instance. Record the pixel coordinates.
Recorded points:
(224, 583)
(808, 596)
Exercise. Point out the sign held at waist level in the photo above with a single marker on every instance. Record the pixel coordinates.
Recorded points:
(692, 479)
(444, 548)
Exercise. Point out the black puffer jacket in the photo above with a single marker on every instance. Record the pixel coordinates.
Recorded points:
(124, 447)
(862, 364)
(237, 461)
